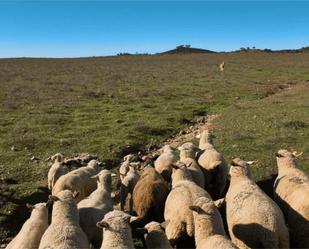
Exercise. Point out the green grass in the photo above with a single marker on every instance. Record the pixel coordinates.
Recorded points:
(110, 105)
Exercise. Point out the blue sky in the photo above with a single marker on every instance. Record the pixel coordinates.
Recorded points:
(94, 28)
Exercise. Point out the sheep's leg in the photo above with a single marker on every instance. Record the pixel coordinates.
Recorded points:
(123, 196)
(130, 203)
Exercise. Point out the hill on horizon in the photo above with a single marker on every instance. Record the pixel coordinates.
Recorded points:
(186, 49)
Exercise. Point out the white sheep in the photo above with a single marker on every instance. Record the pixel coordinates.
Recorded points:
(163, 164)
(187, 155)
(127, 186)
(209, 231)
(57, 169)
(93, 208)
(251, 212)
(154, 236)
(117, 232)
(291, 191)
(214, 165)
(79, 180)
(32, 230)
(221, 66)
(177, 214)
(124, 167)
(64, 231)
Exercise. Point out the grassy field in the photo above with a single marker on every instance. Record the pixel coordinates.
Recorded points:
(112, 105)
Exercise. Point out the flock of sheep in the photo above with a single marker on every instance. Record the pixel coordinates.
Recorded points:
(172, 202)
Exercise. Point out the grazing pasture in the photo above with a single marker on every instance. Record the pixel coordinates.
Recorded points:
(111, 106)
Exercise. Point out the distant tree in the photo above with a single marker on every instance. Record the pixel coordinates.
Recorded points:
(188, 46)
(180, 46)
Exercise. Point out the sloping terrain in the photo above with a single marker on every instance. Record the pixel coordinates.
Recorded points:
(111, 106)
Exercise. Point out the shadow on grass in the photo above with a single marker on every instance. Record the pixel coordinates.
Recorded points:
(14, 221)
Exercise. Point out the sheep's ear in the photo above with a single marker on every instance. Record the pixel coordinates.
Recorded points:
(141, 230)
(48, 203)
(53, 198)
(48, 159)
(252, 162)
(95, 177)
(75, 194)
(29, 206)
(164, 224)
(102, 224)
(113, 175)
(174, 166)
(179, 148)
(134, 219)
(218, 203)
(295, 154)
(196, 209)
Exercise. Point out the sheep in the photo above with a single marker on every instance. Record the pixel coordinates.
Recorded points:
(177, 214)
(163, 164)
(187, 155)
(95, 206)
(209, 230)
(116, 231)
(154, 236)
(221, 66)
(214, 166)
(32, 231)
(149, 195)
(250, 211)
(124, 167)
(64, 231)
(79, 180)
(56, 170)
(127, 186)
(291, 192)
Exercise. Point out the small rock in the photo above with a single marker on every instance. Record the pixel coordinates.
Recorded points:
(234, 145)
(13, 148)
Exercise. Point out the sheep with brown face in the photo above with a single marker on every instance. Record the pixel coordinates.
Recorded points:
(250, 211)
(291, 190)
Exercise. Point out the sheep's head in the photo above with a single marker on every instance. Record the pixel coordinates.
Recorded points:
(286, 158)
(115, 221)
(203, 206)
(95, 164)
(64, 195)
(239, 167)
(39, 208)
(151, 226)
(166, 148)
(58, 157)
(174, 230)
(206, 135)
(104, 177)
(188, 150)
(129, 158)
(286, 153)
(180, 172)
